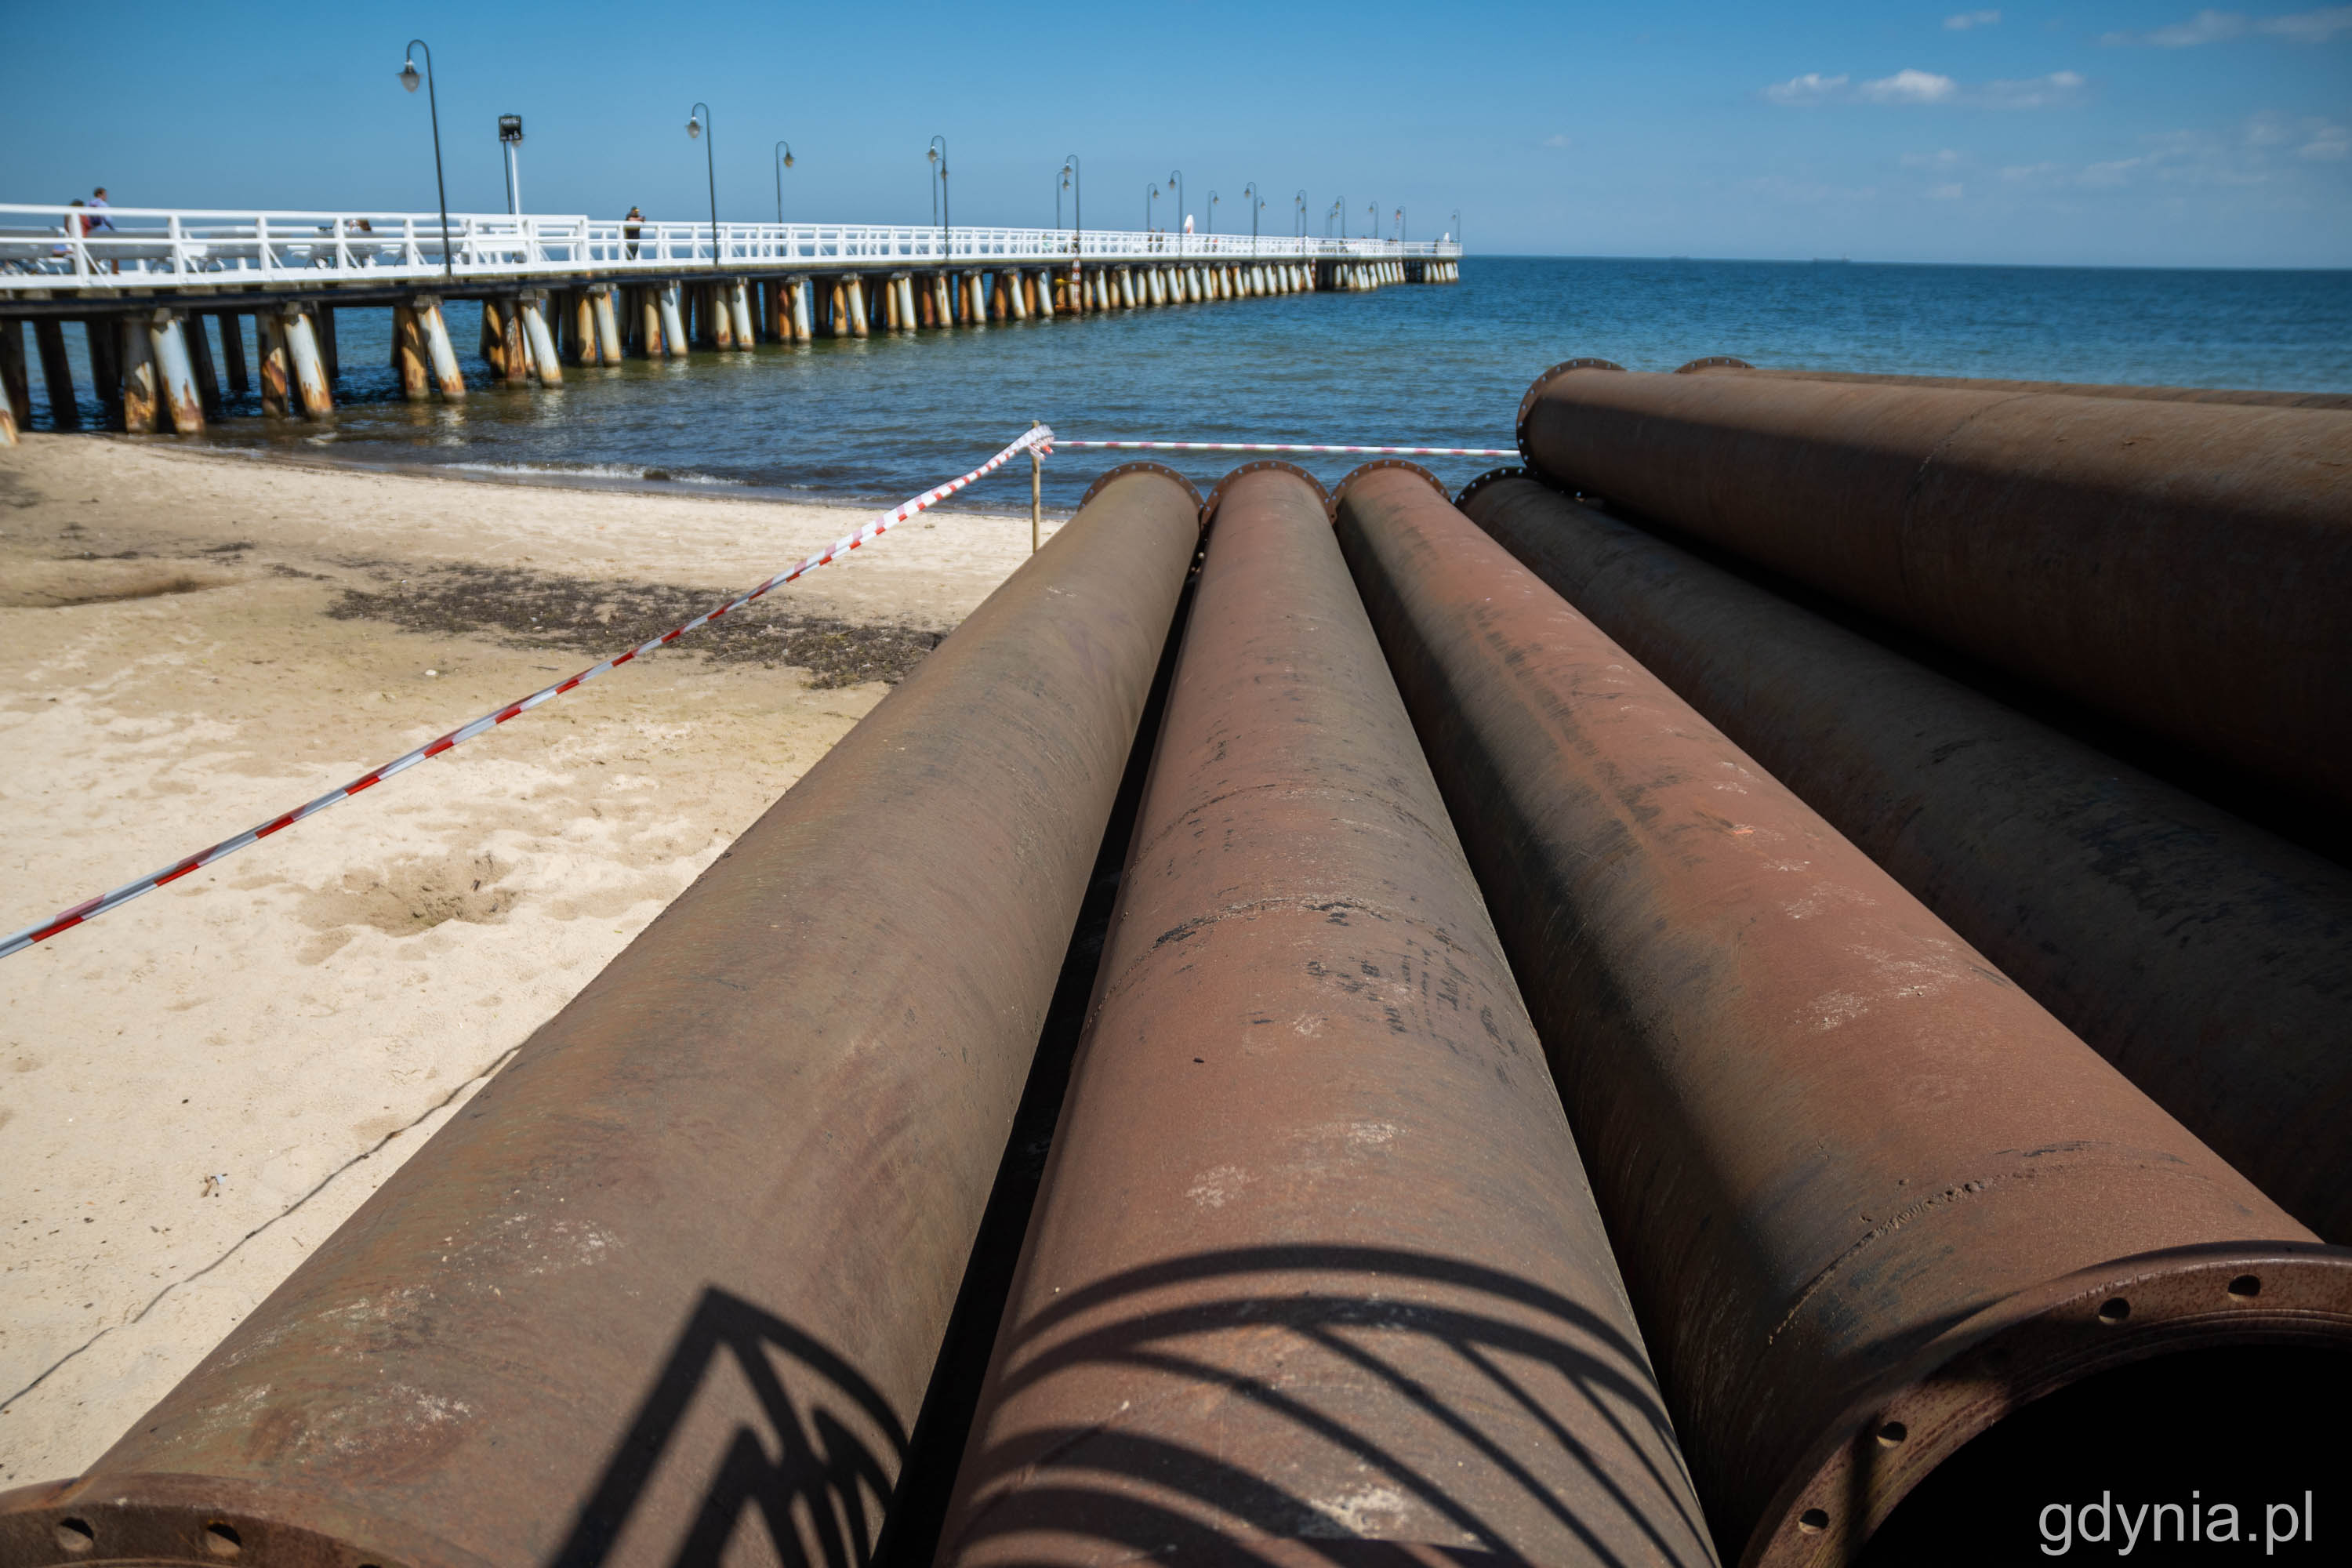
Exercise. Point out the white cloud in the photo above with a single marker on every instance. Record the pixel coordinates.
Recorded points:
(1811, 87)
(2034, 93)
(1947, 192)
(1909, 86)
(2329, 143)
(2218, 27)
(2310, 26)
(1945, 159)
(1554, 140)
(1967, 19)
(1914, 86)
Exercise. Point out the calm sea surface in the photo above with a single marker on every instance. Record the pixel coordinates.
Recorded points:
(888, 416)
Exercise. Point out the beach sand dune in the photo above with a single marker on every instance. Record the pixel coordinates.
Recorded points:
(197, 1088)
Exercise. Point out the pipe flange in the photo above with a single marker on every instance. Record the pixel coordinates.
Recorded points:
(1359, 472)
(1217, 495)
(1713, 361)
(1143, 466)
(2031, 1345)
(1519, 426)
(1492, 476)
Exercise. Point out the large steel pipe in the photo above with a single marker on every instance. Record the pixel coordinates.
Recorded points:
(688, 1259)
(1868, 1196)
(2209, 960)
(1723, 364)
(2184, 566)
(1314, 1260)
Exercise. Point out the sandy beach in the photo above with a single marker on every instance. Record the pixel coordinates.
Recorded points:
(197, 1088)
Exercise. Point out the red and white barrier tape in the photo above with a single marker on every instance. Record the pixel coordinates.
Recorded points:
(1290, 447)
(1041, 438)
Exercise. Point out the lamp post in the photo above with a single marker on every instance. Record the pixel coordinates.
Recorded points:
(1339, 211)
(938, 155)
(1074, 177)
(698, 120)
(1176, 183)
(782, 153)
(408, 80)
(1372, 222)
(1212, 212)
(1249, 195)
(1299, 202)
(1457, 226)
(511, 138)
(1400, 223)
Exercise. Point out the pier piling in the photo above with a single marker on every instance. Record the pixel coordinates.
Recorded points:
(15, 385)
(608, 325)
(175, 372)
(544, 358)
(57, 373)
(275, 364)
(309, 368)
(140, 407)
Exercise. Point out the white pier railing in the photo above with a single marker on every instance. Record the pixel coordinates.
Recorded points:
(84, 248)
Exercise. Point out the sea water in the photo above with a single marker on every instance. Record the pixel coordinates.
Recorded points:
(880, 418)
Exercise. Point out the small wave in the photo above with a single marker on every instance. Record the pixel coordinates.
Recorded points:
(625, 471)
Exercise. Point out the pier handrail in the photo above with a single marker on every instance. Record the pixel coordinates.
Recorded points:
(47, 247)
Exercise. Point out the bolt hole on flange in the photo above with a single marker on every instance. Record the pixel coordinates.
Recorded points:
(222, 1541)
(1813, 1520)
(1892, 1433)
(2115, 1312)
(2246, 1287)
(74, 1535)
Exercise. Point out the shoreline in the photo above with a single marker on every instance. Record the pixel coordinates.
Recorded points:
(525, 476)
(201, 1085)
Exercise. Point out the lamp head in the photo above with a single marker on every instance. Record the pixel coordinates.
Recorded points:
(788, 158)
(933, 153)
(408, 77)
(693, 126)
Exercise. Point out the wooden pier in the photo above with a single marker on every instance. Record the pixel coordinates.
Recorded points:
(559, 291)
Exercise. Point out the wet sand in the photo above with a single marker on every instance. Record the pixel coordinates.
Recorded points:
(197, 1088)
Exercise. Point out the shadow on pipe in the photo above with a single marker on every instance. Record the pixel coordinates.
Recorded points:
(1506, 1350)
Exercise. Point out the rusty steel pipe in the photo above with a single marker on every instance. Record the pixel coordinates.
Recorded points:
(1314, 1260)
(2253, 397)
(1868, 1196)
(2182, 566)
(2209, 960)
(690, 1256)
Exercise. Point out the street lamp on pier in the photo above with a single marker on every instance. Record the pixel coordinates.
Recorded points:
(1256, 203)
(1212, 212)
(938, 155)
(1299, 202)
(784, 155)
(1073, 176)
(698, 120)
(1400, 223)
(1176, 183)
(1151, 194)
(408, 80)
(1457, 226)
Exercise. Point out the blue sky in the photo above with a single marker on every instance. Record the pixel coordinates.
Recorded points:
(2101, 133)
